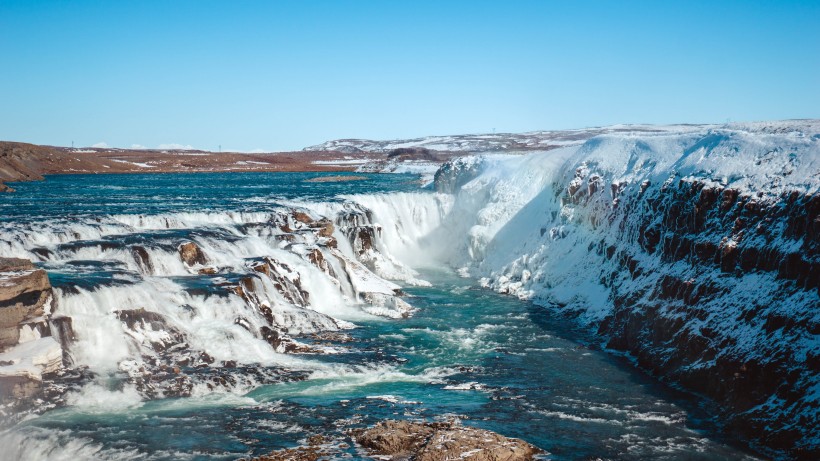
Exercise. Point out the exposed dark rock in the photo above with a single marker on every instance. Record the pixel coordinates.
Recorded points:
(18, 388)
(133, 317)
(26, 302)
(413, 153)
(286, 280)
(143, 259)
(326, 228)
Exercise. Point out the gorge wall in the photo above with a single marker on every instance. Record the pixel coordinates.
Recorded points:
(696, 253)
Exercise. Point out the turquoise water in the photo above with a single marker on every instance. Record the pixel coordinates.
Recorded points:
(62, 196)
(490, 360)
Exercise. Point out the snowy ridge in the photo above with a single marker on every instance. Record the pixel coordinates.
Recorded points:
(494, 142)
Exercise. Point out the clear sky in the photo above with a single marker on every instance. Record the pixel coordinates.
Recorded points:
(284, 75)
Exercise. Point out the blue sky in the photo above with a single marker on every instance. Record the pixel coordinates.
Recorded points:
(283, 75)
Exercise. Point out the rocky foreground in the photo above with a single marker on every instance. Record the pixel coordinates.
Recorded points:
(406, 440)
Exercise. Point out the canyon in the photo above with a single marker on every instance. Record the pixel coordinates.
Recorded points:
(691, 250)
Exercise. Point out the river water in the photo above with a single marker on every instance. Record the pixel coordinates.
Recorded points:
(467, 353)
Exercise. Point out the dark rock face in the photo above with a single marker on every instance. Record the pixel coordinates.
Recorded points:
(413, 153)
(143, 259)
(357, 225)
(286, 280)
(440, 442)
(678, 257)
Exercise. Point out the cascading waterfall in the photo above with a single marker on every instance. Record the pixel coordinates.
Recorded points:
(257, 279)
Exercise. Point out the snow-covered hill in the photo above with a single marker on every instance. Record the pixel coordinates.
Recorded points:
(494, 142)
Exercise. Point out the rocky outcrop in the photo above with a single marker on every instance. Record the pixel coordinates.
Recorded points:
(24, 295)
(457, 172)
(414, 153)
(440, 442)
(414, 441)
(32, 340)
(315, 450)
(716, 290)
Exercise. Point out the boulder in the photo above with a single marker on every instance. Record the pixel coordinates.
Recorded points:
(24, 295)
(440, 442)
(302, 217)
(326, 229)
(191, 254)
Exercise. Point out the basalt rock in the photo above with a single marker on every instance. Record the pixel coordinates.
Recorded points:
(676, 311)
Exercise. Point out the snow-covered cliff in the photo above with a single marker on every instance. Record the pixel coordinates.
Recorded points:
(696, 252)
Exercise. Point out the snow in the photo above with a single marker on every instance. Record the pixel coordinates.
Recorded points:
(493, 142)
(32, 358)
(340, 162)
(141, 165)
